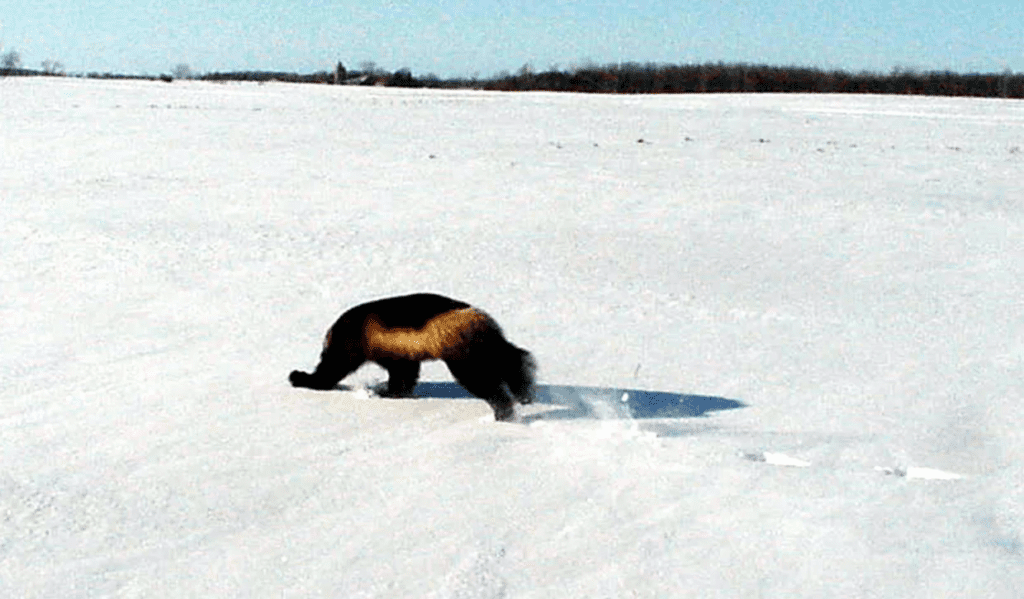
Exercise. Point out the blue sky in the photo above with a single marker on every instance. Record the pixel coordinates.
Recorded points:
(484, 37)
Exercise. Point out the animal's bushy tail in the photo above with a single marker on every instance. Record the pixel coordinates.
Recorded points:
(519, 372)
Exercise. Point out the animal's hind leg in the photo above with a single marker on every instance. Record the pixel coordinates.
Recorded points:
(484, 382)
(402, 377)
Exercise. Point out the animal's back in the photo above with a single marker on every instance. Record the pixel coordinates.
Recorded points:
(407, 311)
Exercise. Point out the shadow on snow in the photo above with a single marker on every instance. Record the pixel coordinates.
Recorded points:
(577, 402)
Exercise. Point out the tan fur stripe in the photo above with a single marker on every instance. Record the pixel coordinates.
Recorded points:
(441, 337)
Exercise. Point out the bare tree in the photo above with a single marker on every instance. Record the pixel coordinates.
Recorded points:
(368, 67)
(182, 71)
(10, 61)
(53, 67)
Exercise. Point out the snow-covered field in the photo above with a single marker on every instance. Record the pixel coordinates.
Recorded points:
(812, 304)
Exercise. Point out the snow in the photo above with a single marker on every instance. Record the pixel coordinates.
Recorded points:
(831, 281)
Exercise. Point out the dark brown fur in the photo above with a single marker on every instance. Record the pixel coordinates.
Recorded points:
(400, 332)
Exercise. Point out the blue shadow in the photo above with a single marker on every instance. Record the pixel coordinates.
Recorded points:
(604, 402)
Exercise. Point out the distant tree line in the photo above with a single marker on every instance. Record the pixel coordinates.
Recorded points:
(633, 78)
(627, 78)
(264, 76)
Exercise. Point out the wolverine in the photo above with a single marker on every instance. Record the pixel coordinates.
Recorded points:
(400, 332)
